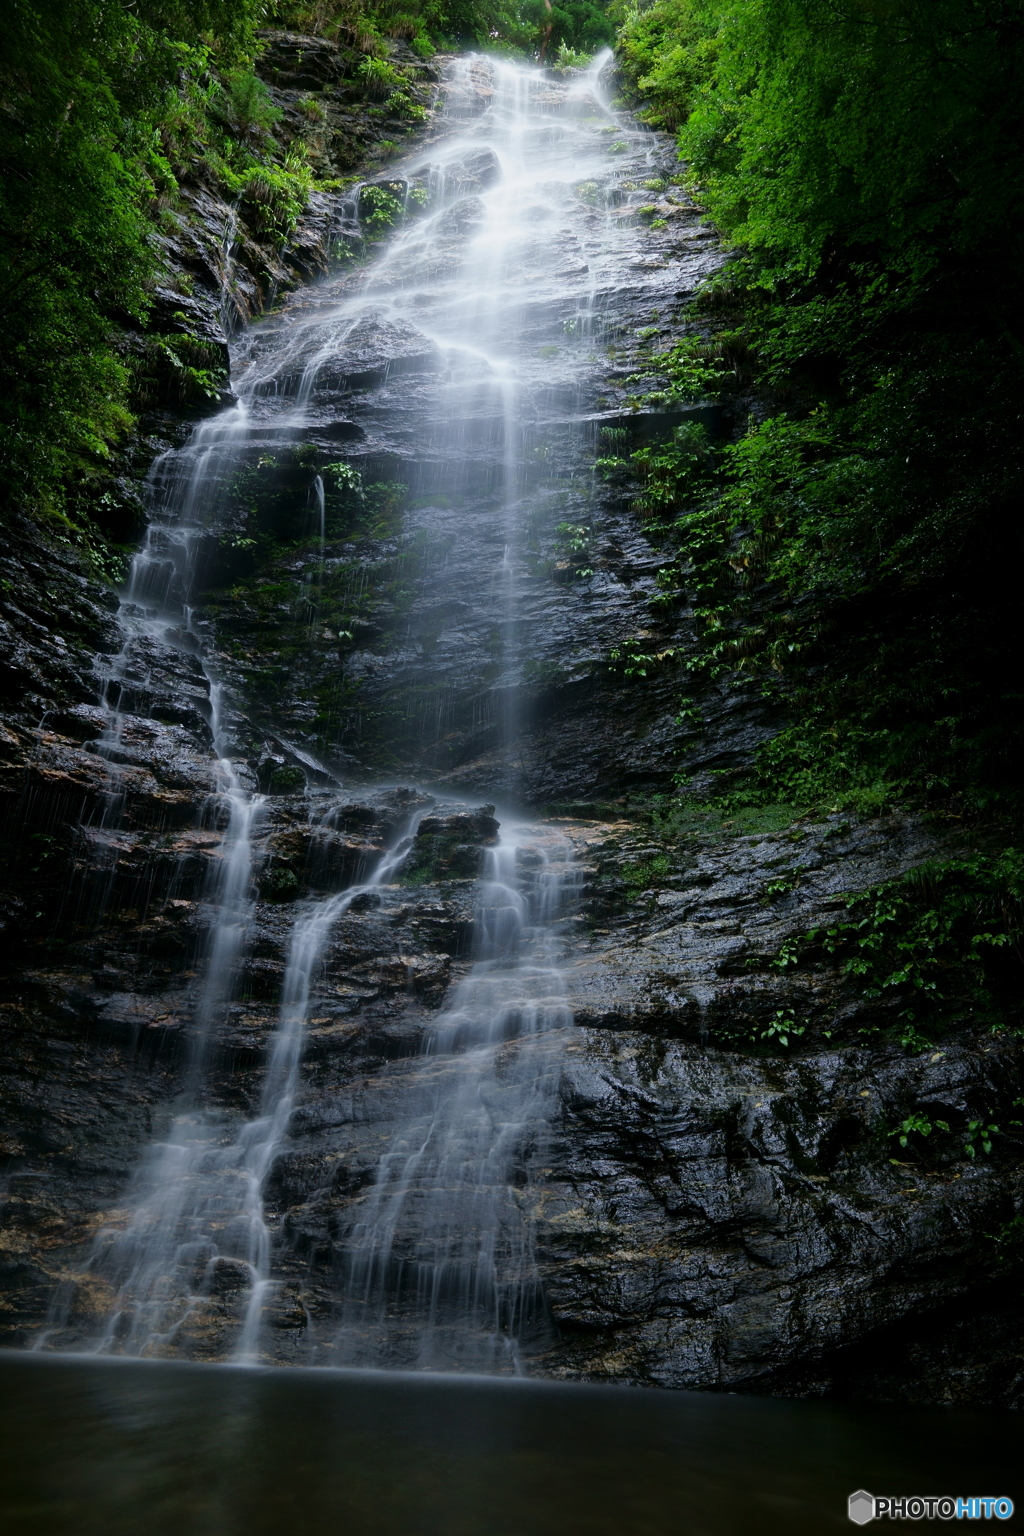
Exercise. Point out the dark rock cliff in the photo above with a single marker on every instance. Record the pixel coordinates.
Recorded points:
(716, 1208)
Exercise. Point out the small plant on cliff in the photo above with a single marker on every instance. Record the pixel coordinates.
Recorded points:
(312, 107)
(275, 195)
(782, 1028)
(917, 1125)
(380, 209)
(629, 658)
(244, 105)
(345, 479)
(401, 105)
(379, 78)
(979, 1135)
(976, 1136)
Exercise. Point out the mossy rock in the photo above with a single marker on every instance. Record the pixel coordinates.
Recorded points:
(450, 847)
(441, 857)
(279, 884)
(285, 781)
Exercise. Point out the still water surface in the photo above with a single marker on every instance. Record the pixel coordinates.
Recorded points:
(115, 1447)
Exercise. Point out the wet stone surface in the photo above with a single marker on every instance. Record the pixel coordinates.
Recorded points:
(708, 1212)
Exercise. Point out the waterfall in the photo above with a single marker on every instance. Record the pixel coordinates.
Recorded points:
(197, 1221)
(438, 1270)
(450, 325)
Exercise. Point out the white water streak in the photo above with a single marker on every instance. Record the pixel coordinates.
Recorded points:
(439, 1269)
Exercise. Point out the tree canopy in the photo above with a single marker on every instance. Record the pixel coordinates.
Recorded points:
(863, 158)
(84, 84)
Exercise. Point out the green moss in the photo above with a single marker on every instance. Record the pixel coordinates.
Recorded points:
(279, 884)
(285, 781)
(639, 876)
(440, 856)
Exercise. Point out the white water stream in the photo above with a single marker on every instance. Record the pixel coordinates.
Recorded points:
(197, 1222)
(439, 1269)
(438, 1266)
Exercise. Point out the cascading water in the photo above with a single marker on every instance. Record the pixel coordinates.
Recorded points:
(438, 1269)
(197, 1222)
(433, 1261)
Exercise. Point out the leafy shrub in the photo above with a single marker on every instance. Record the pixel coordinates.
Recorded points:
(942, 938)
(245, 107)
(379, 78)
(863, 177)
(313, 108)
(570, 58)
(380, 209)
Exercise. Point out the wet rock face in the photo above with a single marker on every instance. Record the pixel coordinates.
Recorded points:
(724, 1213)
(451, 845)
(713, 1209)
(715, 1221)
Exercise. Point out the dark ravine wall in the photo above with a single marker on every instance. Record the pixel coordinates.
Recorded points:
(712, 1214)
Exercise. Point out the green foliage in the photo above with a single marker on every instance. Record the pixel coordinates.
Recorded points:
(570, 58)
(941, 939)
(576, 539)
(977, 1135)
(782, 1028)
(379, 211)
(830, 124)
(639, 876)
(633, 661)
(345, 479)
(568, 32)
(85, 86)
(274, 196)
(313, 108)
(781, 1033)
(524, 26)
(245, 107)
(856, 546)
(279, 883)
(379, 78)
(917, 1125)
(180, 369)
(674, 474)
(285, 781)
(384, 502)
(668, 52)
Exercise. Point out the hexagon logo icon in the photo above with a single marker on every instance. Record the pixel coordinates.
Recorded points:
(861, 1508)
